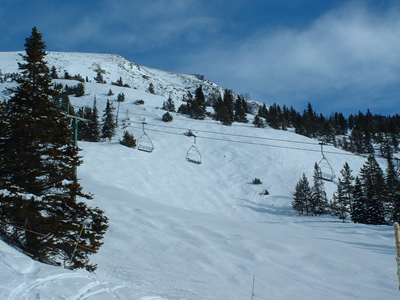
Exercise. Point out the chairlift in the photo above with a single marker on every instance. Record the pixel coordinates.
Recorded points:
(325, 170)
(193, 155)
(144, 142)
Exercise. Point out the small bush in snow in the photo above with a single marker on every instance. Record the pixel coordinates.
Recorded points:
(128, 140)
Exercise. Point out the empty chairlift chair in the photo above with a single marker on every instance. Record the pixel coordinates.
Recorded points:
(144, 142)
(325, 170)
(193, 155)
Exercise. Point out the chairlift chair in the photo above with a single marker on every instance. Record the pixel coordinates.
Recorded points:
(144, 142)
(193, 155)
(325, 169)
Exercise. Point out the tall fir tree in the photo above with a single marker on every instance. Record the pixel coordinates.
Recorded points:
(240, 111)
(341, 203)
(198, 105)
(392, 205)
(94, 124)
(358, 209)
(319, 201)
(302, 197)
(39, 188)
(347, 183)
(108, 126)
(373, 187)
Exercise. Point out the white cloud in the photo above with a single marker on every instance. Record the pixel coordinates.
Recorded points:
(348, 58)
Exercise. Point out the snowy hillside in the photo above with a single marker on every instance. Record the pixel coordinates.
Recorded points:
(185, 231)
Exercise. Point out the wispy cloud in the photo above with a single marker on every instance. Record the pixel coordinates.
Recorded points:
(347, 59)
(143, 25)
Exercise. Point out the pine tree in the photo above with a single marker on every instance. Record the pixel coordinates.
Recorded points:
(347, 183)
(302, 197)
(358, 210)
(128, 140)
(341, 205)
(39, 187)
(319, 201)
(220, 111)
(108, 126)
(392, 185)
(94, 124)
(197, 107)
(240, 112)
(258, 122)
(151, 89)
(54, 74)
(121, 97)
(99, 78)
(372, 182)
(169, 105)
(83, 127)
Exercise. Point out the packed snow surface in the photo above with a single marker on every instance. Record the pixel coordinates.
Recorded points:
(179, 230)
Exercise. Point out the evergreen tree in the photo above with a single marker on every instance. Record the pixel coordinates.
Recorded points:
(258, 122)
(393, 192)
(372, 182)
(358, 210)
(240, 112)
(169, 105)
(99, 78)
(347, 184)
(151, 89)
(121, 97)
(319, 201)
(167, 117)
(302, 197)
(341, 204)
(53, 73)
(197, 107)
(39, 187)
(228, 103)
(83, 127)
(108, 125)
(94, 124)
(119, 82)
(221, 113)
(128, 140)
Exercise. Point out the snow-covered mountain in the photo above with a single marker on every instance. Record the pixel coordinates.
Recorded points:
(185, 231)
(112, 67)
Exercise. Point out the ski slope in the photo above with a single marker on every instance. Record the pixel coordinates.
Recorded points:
(184, 231)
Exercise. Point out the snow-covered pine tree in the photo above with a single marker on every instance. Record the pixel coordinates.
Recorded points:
(108, 125)
(240, 112)
(302, 197)
(373, 187)
(39, 189)
(169, 105)
(319, 201)
(94, 124)
(392, 205)
(341, 206)
(347, 183)
(358, 210)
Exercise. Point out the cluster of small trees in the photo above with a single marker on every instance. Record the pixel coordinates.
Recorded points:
(227, 109)
(39, 191)
(369, 198)
(195, 107)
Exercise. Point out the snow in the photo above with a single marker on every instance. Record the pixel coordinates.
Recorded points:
(184, 231)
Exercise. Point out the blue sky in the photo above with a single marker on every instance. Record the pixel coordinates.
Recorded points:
(338, 55)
